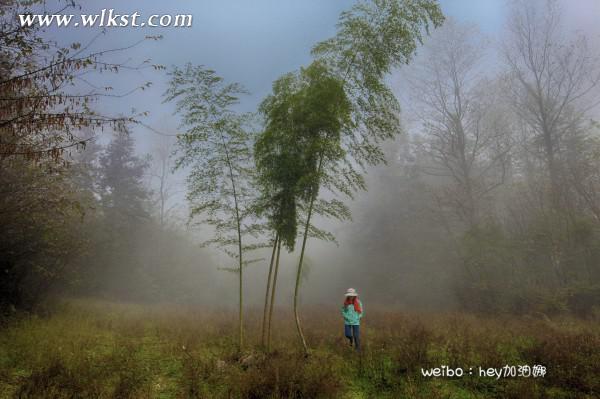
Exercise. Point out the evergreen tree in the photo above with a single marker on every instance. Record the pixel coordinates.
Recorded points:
(124, 202)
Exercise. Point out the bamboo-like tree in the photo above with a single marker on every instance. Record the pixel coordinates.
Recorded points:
(304, 116)
(267, 291)
(277, 175)
(287, 153)
(373, 38)
(273, 291)
(217, 147)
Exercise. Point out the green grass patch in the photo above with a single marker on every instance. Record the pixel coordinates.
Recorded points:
(95, 349)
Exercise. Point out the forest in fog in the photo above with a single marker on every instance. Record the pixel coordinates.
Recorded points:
(438, 169)
(489, 200)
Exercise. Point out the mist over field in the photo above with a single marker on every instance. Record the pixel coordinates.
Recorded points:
(300, 199)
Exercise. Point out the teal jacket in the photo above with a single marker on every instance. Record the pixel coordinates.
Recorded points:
(351, 316)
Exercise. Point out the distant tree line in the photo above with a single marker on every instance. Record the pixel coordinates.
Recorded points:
(495, 189)
(74, 216)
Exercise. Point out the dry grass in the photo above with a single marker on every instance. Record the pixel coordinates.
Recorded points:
(94, 349)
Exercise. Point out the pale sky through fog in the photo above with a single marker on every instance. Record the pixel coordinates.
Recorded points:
(254, 42)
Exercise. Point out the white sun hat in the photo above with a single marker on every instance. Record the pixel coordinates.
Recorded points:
(351, 292)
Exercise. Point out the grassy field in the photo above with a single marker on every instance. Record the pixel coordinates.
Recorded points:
(94, 349)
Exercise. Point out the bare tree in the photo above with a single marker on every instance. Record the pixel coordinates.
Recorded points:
(552, 82)
(584, 172)
(161, 173)
(46, 98)
(465, 133)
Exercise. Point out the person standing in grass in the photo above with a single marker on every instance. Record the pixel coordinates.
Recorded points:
(353, 311)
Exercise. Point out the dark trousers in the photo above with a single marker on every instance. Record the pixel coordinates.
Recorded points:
(353, 335)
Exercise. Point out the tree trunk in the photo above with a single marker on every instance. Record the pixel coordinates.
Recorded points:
(238, 221)
(273, 297)
(299, 273)
(241, 290)
(264, 322)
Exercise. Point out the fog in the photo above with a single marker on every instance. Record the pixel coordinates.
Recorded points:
(404, 246)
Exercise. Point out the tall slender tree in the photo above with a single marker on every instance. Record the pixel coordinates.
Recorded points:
(463, 124)
(267, 291)
(286, 153)
(372, 38)
(124, 201)
(554, 78)
(216, 146)
(273, 291)
(162, 178)
(304, 117)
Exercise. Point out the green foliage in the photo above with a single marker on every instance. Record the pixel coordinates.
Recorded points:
(338, 110)
(522, 273)
(304, 117)
(343, 98)
(373, 38)
(216, 147)
(40, 229)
